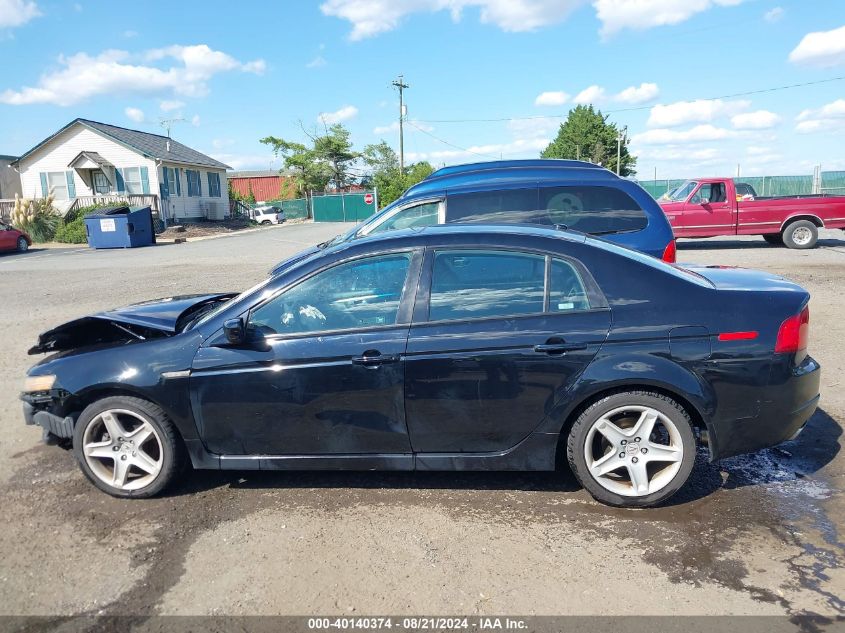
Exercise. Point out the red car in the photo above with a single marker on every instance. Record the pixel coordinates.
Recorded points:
(12, 239)
(707, 207)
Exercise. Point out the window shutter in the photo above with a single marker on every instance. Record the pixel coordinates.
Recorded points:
(121, 185)
(178, 181)
(219, 192)
(44, 190)
(71, 185)
(199, 183)
(189, 176)
(145, 180)
(165, 184)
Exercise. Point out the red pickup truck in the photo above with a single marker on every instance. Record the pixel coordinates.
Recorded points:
(707, 207)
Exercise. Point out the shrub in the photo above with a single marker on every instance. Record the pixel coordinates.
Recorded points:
(38, 218)
(72, 228)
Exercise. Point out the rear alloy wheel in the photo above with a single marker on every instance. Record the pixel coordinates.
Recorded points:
(775, 239)
(801, 234)
(633, 449)
(127, 447)
(23, 245)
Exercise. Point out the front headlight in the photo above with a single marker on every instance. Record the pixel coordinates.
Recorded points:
(39, 383)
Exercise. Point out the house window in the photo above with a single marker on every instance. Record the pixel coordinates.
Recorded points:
(194, 183)
(173, 190)
(213, 184)
(57, 184)
(132, 178)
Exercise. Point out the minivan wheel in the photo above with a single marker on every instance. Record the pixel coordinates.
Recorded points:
(801, 234)
(633, 448)
(127, 447)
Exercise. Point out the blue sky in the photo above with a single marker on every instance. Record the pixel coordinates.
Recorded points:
(235, 72)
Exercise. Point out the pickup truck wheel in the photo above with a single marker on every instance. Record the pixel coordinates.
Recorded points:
(775, 239)
(801, 234)
(127, 447)
(632, 449)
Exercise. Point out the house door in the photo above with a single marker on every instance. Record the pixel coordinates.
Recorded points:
(99, 182)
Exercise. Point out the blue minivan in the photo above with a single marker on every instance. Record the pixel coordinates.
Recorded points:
(571, 194)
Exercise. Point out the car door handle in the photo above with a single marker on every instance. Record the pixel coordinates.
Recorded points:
(559, 348)
(374, 360)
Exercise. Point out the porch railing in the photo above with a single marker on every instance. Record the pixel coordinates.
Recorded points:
(130, 199)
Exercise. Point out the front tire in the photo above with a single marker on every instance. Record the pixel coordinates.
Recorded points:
(23, 245)
(127, 447)
(266, 223)
(801, 234)
(632, 449)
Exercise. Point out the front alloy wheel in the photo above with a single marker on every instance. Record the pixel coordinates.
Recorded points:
(632, 449)
(127, 447)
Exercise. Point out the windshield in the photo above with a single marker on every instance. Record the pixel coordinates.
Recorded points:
(358, 228)
(682, 192)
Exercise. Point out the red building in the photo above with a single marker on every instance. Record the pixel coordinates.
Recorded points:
(266, 185)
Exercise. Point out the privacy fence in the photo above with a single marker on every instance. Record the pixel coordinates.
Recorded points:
(330, 207)
(832, 182)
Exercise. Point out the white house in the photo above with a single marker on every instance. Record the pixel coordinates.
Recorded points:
(87, 162)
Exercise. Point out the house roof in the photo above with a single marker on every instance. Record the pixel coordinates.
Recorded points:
(145, 143)
(260, 173)
(94, 157)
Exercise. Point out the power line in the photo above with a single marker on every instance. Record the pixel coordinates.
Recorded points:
(463, 149)
(632, 109)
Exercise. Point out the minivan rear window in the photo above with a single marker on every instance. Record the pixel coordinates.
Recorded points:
(589, 209)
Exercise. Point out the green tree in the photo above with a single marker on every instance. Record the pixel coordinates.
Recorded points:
(309, 172)
(587, 135)
(386, 177)
(335, 150)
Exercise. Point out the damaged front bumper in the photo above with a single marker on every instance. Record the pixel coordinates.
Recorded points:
(56, 427)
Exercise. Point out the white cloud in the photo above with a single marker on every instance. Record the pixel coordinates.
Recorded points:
(533, 128)
(195, 120)
(168, 105)
(551, 98)
(676, 153)
(700, 111)
(697, 134)
(592, 94)
(758, 120)
(617, 15)
(828, 118)
(514, 149)
(344, 114)
(129, 34)
(17, 13)
(371, 17)
(246, 161)
(822, 48)
(635, 96)
(758, 150)
(318, 62)
(773, 15)
(81, 76)
(135, 114)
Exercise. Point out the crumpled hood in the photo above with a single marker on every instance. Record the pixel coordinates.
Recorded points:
(136, 322)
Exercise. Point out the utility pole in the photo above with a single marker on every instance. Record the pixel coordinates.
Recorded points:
(401, 85)
(623, 133)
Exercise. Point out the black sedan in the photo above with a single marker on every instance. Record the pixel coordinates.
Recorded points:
(444, 348)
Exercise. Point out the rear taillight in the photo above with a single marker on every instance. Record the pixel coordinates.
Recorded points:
(669, 253)
(794, 333)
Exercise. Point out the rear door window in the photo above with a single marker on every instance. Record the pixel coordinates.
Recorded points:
(590, 209)
(469, 284)
(493, 207)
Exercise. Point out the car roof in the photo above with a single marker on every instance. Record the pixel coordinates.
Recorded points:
(512, 171)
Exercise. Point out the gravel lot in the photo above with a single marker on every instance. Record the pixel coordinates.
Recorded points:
(751, 535)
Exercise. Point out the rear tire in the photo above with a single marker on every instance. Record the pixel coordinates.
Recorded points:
(142, 460)
(632, 449)
(775, 239)
(23, 245)
(801, 234)
(266, 223)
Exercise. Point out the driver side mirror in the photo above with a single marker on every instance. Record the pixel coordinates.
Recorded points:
(235, 331)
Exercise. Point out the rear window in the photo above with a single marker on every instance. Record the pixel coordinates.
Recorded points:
(589, 209)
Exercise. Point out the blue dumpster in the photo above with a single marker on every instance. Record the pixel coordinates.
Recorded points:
(120, 227)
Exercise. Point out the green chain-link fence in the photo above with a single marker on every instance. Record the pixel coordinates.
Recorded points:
(832, 182)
